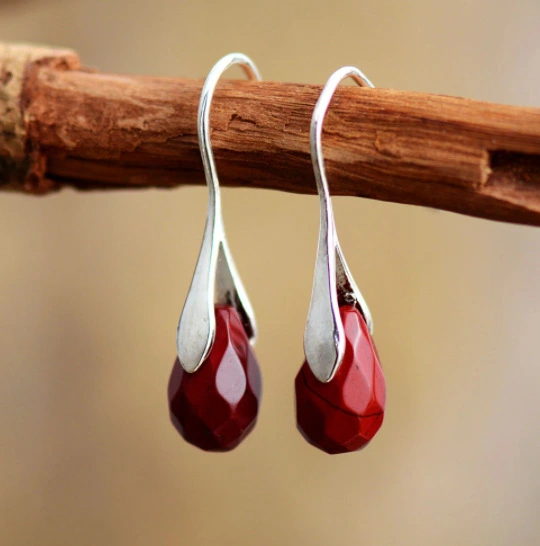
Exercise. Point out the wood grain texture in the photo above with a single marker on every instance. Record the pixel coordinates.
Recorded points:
(101, 131)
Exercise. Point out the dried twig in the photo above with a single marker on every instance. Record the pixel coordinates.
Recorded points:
(62, 125)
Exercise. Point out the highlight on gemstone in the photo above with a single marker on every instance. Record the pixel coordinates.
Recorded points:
(216, 407)
(344, 414)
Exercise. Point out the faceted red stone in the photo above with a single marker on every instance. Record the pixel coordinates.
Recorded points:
(215, 407)
(344, 414)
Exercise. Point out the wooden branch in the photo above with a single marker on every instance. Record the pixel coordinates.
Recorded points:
(61, 125)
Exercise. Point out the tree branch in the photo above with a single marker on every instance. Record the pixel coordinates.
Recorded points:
(61, 125)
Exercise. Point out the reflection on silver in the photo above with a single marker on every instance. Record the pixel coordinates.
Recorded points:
(215, 280)
(333, 285)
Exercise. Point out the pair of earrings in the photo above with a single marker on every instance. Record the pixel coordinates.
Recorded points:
(215, 386)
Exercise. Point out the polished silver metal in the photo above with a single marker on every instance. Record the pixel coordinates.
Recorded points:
(216, 279)
(333, 285)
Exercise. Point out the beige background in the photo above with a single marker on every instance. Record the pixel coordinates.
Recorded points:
(91, 286)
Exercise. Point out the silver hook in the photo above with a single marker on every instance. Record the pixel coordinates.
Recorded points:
(333, 285)
(215, 280)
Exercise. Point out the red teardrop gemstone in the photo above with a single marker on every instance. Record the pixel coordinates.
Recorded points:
(215, 407)
(344, 414)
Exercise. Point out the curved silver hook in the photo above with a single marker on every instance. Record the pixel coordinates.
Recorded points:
(333, 285)
(216, 279)
(203, 118)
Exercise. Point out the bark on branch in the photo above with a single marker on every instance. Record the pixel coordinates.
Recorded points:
(62, 125)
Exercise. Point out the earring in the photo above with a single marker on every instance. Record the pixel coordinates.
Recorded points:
(215, 386)
(340, 389)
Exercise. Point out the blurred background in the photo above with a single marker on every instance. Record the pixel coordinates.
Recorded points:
(91, 287)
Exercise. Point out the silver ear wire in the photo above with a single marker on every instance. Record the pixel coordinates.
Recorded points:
(216, 279)
(333, 285)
